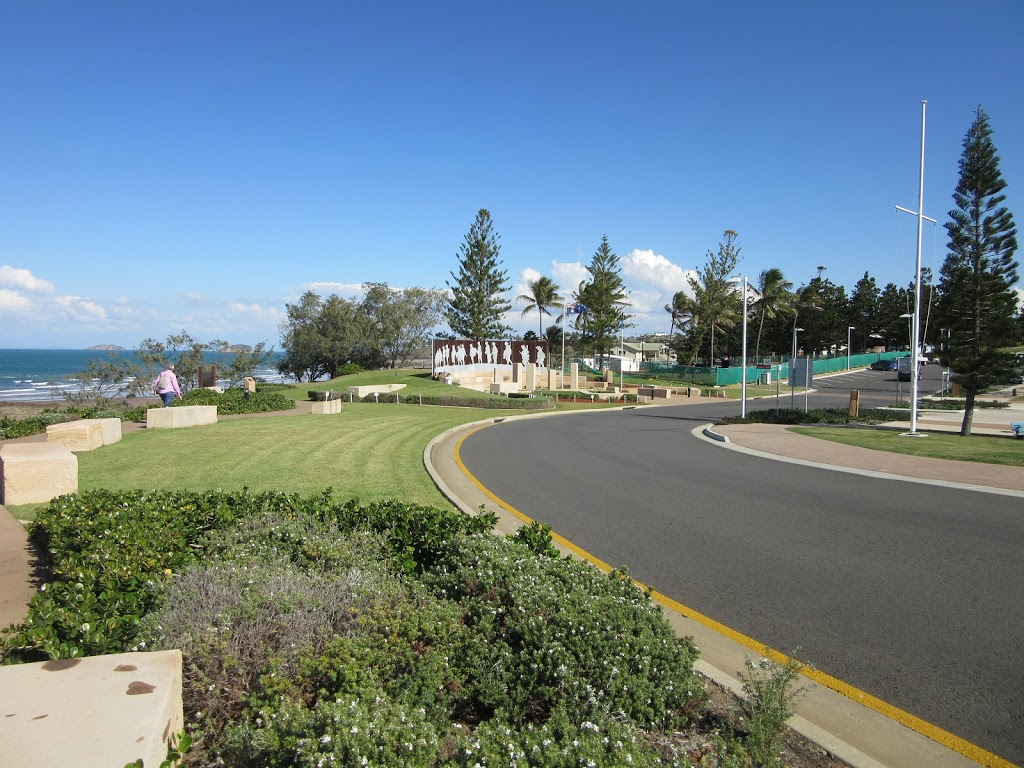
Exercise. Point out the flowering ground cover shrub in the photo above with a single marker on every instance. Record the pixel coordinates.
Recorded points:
(317, 633)
(305, 645)
(555, 634)
(109, 551)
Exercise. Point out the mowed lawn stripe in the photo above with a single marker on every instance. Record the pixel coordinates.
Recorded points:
(368, 451)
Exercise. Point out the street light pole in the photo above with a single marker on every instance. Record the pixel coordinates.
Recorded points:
(916, 325)
(792, 371)
(849, 338)
(743, 376)
(743, 386)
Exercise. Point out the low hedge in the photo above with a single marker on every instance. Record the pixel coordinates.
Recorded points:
(460, 401)
(234, 401)
(34, 425)
(815, 416)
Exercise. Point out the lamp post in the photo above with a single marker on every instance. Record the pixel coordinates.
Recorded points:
(743, 375)
(792, 371)
(916, 326)
(849, 338)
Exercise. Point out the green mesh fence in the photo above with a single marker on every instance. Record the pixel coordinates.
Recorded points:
(724, 377)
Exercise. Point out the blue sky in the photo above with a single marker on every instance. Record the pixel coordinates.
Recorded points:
(198, 165)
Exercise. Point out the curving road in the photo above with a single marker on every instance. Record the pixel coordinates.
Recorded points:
(909, 592)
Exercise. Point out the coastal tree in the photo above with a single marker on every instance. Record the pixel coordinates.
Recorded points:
(181, 349)
(774, 297)
(245, 361)
(103, 378)
(712, 303)
(977, 302)
(477, 303)
(542, 294)
(397, 324)
(604, 295)
(864, 308)
(301, 340)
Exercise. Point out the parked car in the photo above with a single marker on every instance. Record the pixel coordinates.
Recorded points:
(883, 365)
(1017, 379)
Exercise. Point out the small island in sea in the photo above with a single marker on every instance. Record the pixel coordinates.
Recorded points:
(236, 348)
(105, 348)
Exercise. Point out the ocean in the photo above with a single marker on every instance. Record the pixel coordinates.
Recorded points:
(41, 374)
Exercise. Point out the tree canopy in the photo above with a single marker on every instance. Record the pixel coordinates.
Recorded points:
(604, 296)
(977, 302)
(477, 303)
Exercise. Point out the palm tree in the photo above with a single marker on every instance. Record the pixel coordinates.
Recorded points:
(543, 294)
(774, 298)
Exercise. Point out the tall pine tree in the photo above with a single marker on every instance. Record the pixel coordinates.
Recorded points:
(477, 303)
(977, 302)
(604, 296)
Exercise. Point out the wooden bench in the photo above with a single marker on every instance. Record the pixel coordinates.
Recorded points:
(1018, 428)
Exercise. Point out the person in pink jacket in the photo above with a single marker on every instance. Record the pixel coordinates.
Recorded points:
(166, 385)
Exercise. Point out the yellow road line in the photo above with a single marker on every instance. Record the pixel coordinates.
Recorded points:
(947, 739)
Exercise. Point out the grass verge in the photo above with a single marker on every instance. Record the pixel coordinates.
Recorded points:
(367, 452)
(979, 448)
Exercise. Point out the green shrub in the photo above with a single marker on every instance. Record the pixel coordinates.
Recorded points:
(946, 404)
(551, 634)
(264, 386)
(814, 416)
(34, 425)
(233, 401)
(462, 401)
(109, 551)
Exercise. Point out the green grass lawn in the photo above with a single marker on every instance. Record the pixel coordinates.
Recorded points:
(984, 449)
(368, 451)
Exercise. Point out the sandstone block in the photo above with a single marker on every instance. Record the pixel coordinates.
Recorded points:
(81, 435)
(182, 416)
(31, 473)
(100, 710)
(111, 430)
(325, 407)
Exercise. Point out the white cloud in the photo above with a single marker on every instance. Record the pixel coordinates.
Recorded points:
(24, 279)
(256, 312)
(13, 302)
(568, 274)
(344, 290)
(80, 309)
(647, 268)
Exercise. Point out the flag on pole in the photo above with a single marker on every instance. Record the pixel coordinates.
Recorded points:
(575, 309)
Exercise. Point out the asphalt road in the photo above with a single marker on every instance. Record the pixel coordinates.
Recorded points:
(909, 592)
